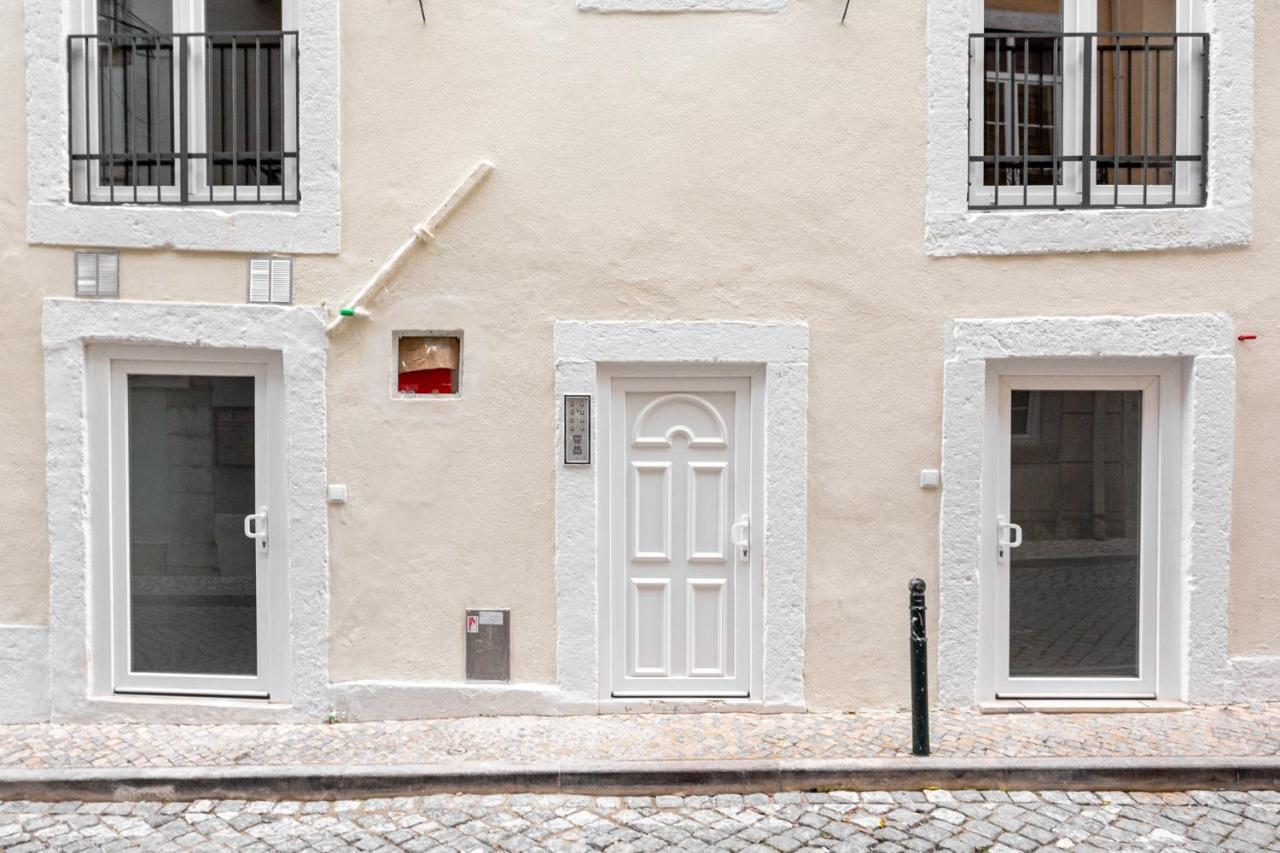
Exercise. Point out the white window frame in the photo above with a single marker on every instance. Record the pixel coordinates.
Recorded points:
(312, 225)
(188, 17)
(1081, 16)
(114, 365)
(1160, 381)
(1226, 219)
(108, 369)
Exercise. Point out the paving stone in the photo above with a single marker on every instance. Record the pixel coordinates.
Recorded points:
(890, 820)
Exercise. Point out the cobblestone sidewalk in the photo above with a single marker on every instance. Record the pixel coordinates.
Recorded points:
(1252, 731)
(991, 821)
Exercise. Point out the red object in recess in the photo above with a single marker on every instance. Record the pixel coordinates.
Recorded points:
(1246, 337)
(437, 381)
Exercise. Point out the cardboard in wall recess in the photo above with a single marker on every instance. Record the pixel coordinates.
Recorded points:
(423, 353)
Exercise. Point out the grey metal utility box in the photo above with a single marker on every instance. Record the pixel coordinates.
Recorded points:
(488, 634)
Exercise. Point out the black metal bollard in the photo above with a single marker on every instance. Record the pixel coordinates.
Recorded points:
(919, 672)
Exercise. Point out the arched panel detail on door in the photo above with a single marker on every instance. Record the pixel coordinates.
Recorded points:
(673, 414)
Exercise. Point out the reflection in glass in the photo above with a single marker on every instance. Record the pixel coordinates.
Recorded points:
(1075, 488)
(192, 571)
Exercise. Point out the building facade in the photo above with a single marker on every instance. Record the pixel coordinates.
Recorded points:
(628, 355)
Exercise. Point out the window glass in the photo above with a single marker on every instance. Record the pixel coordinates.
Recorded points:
(246, 92)
(135, 16)
(1136, 16)
(232, 16)
(1023, 16)
(1074, 583)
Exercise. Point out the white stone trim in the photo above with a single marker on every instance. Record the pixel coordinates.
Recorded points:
(1204, 342)
(295, 332)
(1256, 678)
(24, 673)
(682, 5)
(783, 350)
(311, 226)
(1227, 219)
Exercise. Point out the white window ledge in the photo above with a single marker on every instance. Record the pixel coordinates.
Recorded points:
(682, 5)
(1226, 220)
(310, 227)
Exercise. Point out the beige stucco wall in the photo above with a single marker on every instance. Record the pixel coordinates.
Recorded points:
(726, 166)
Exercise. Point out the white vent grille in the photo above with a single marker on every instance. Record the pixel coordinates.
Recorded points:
(271, 280)
(97, 274)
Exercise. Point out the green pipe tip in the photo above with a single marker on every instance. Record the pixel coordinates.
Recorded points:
(347, 312)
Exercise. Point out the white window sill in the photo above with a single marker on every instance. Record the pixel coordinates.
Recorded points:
(999, 232)
(293, 229)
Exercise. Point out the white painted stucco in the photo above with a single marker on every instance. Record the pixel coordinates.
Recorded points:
(1226, 220)
(1206, 342)
(298, 334)
(733, 167)
(310, 226)
(24, 673)
(581, 348)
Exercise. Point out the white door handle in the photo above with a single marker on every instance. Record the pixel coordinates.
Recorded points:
(741, 546)
(1008, 535)
(255, 527)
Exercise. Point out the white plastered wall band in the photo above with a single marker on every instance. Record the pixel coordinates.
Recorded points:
(1227, 219)
(1204, 342)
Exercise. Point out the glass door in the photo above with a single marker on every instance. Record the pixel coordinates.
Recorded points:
(190, 527)
(1076, 536)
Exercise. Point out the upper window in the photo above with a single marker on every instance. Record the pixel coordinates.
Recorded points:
(183, 102)
(1087, 103)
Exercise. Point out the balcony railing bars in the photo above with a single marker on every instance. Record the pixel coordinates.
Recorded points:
(183, 118)
(1088, 119)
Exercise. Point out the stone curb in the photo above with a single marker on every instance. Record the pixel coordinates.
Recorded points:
(319, 782)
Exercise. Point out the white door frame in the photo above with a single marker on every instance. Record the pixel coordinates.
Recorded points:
(609, 633)
(108, 367)
(1161, 380)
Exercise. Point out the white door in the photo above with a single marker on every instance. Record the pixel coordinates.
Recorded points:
(1076, 534)
(191, 525)
(683, 558)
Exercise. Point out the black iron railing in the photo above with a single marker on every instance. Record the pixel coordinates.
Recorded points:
(183, 118)
(1088, 120)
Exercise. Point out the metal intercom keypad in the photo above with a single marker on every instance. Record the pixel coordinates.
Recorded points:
(577, 429)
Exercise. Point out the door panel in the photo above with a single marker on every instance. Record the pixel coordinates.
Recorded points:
(188, 468)
(1077, 534)
(680, 477)
(192, 591)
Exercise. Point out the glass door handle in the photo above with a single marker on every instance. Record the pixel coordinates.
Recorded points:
(1008, 535)
(255, 527)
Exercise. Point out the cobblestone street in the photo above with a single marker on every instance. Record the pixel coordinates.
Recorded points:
(991, 821)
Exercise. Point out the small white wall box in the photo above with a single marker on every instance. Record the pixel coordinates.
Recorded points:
(271, 280)
(930, 478)
(98, 275)
(337, 493)
(488, 634)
